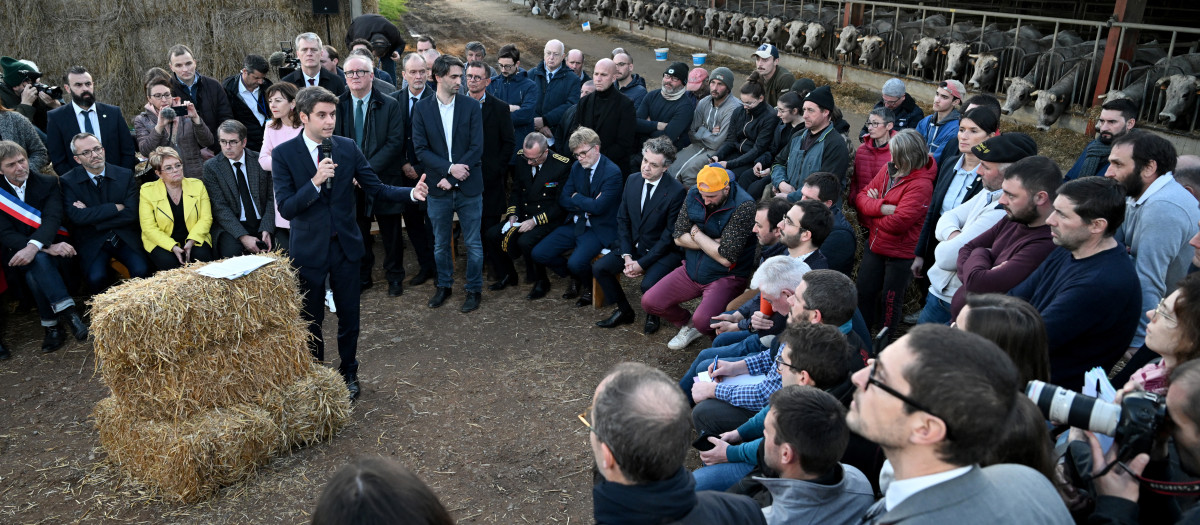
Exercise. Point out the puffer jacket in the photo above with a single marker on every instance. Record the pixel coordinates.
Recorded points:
(753, 131)
(896, 235)
(867, 162)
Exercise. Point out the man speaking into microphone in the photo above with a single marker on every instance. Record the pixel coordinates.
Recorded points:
(314, 175)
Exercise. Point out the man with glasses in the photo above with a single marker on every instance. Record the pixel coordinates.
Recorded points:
(375, 122)
(557, 89)
(895, 98)
(497, 148)
(630, 84)
(933, 401)
(308, 50)
(643, 248)
(639, 434)
(590, 198)
(513, 86)
(420, 232)
(666, 112)
(240, 195)
(533, 212)
(101, 202)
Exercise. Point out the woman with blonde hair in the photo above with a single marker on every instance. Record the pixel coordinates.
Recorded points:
(175, 214)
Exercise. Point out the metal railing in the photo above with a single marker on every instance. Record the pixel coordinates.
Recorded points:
(1141, 81)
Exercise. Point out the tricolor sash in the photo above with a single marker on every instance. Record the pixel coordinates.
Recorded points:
(21, 211)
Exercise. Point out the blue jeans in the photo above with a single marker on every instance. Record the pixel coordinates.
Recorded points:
(743, 348)
(729, 338)
(46, 286)
(441, 214)
(935, 311)
(721, 476)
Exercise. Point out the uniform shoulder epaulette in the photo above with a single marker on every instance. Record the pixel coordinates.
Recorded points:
(561, 158)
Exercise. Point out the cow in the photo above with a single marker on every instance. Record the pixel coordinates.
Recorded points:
(557, 8)
(688, 22)
(816, 39)
(872, 49)
(1139, 87)
(1052, 102)
(994, 46)
(711, 19)
(733, 28)
(659, 16)
(637, 11)
(850, 37)
(675, 17)
(795, 30)
(747, 28)
(936, 38)
(1180, 95)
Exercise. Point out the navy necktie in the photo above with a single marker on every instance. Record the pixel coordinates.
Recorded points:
(87, 122)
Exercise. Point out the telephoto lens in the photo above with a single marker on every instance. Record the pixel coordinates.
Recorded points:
(1067, 406)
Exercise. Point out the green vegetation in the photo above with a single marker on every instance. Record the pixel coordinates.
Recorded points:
(393, 9)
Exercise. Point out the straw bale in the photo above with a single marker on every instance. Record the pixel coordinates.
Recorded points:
(311, 409)
(191, 459)
(118, 40)
(216, 376)
(144, 323)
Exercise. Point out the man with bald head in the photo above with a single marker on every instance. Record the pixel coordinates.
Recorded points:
(629, 83)
(610, 114)
(558, 89)
(639, 436)
(575, 62)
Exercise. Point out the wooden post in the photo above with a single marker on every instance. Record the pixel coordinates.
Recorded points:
(1129, 11)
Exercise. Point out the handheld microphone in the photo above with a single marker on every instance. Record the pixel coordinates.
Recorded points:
(277, 59)
(168, 115)
(326, 150)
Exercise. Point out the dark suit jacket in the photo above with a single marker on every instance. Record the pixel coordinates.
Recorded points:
(646, 234)
(538, 198)
(316, 216)
(430, 141)
(383, 140)
(242, 113)
(596, 200)
(225, 200)
(498, 145)
(91, 226)
(211, 103)
(410, 151)
(325, 79)
(41, 192)
(114, 136)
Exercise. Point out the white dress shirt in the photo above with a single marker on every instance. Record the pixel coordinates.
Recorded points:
(900, 490)
(250, 97)
(95, 118)
(241, 208)
(447, 112)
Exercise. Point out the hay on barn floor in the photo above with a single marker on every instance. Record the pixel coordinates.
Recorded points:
(311, 409)
(212, 377)
(187, 460)
(144, 323)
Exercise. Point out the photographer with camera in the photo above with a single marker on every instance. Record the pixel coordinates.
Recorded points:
(169, 122)
(20, 91)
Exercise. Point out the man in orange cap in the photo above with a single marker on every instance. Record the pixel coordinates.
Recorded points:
(714, 228)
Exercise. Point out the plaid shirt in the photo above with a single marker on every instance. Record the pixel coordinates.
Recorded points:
(756, 396)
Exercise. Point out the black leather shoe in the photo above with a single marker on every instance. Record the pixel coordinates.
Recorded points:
(74, 324)
(652, 324)
(420, 278)
(584, 299)
(352, 385)
(395, 288)
(540, 289)
(366, 284)
(572, 290)
(54, 339)
(472, 302)
(617, 318)
(503, 283)
(440, 297)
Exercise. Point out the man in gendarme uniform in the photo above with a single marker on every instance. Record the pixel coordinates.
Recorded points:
(775, 78)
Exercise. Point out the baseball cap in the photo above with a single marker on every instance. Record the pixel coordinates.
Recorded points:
(767, 51)
(712, 178)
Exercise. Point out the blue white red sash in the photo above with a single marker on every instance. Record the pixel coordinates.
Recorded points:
(19, 210)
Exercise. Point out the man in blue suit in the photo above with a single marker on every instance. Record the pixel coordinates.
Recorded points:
(101, 203)
(84, 114)
(448, 137)
(590, 196)
(316, 193)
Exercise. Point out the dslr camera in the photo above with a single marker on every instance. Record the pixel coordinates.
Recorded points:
(32, 77)
(1133, 424)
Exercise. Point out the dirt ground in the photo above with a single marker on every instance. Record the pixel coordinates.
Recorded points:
(481, 406)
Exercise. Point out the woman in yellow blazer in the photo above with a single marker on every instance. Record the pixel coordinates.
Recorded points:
(175, 214)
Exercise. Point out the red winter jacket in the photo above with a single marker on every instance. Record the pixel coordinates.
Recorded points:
(867, 162)
(896, 235)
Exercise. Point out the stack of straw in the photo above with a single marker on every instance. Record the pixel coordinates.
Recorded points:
(209, 378)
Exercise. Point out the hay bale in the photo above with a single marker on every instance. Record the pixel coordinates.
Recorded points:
(311, 409)
(191, 459)
(145, 323)
(212, 377)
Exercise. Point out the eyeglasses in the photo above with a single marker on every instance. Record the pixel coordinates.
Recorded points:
(908, 400)
(229, 142)
(584, 153)
(161, 96)
(356, 73)
(88, 153)
(779, 361)
(505, 66)
(874, 124)
(535, 159)
(170, 168)
(1161, 311)
(475, 78)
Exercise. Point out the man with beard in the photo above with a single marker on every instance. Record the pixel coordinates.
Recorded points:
(1089, 264)
(627, 82)
(1119, 494)
(666, 112)
(1003, 256)
(82, 115)
(710, 126)
(1160, 215)
(610, 114)
(1117, 117)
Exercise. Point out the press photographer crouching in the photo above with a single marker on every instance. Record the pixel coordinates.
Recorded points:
(1155, 457)
(21, 91)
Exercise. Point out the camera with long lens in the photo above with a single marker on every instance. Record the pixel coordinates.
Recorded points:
(1133, 424)
(33, 76)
